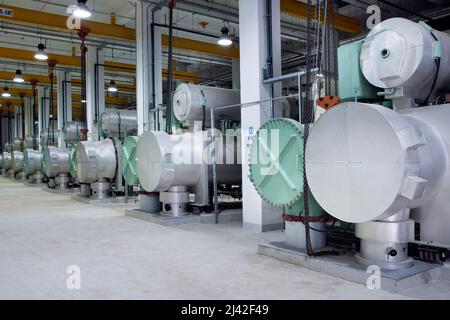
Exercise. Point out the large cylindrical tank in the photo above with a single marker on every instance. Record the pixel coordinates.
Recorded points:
(8, 147)
(398, 53)
(72, 132)
(189, 99)
(17, 161)
(32, 161)
(367, 162)
(129, 169)
(18, 145)
(7, 161)
(118, 123)
(165, 161)
(55, 161)
(96, 160)
(30, 142)
(49, 137)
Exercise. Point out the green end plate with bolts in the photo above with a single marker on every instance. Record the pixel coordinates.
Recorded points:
(73, 160)
(129, 170)
(276, 166)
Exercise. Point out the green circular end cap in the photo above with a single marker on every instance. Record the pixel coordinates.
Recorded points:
(44, 160)
(129, 165)
(73, 160)
(276, 162)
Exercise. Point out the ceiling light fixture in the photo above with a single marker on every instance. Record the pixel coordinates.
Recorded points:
(41, 54)
(6, 93)
(112, 86)
(225, 39)
(18, 77)
(82, 10)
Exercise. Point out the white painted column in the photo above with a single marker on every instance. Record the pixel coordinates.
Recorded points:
(18, 120)
(257, 214)
(95, 90)
(64, 102)
(144, 79)
(236, 74)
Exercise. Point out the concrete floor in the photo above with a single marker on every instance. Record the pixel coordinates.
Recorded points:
(120, 257)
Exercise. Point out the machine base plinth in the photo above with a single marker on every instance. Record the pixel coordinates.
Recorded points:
(57, 191)
(345, 267)
(110, 200)
(224, 216)
(408, 263)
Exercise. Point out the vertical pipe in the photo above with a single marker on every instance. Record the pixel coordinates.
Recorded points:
(213, 156)
(169, 68)
(270, 53)
(152, 40)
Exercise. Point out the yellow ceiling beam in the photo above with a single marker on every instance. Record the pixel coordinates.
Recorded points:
(299, 10)
(59, 22)
(25, 55)
(201, 46)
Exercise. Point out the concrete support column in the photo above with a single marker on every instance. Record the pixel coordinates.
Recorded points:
(95, 93)
(64, 102)
(236, 74)
(148, 95)
(257, 215)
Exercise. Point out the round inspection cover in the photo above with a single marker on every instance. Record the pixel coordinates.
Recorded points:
(276, 158)
(129, 167)
(355, 162)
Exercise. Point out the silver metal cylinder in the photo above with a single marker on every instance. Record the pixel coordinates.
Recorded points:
(32, 161)
(96, 160)
(49, 137)
(118, 123)
(400, 54)
(17, 161)
(7, 161)
(72, 132)
(189, 101)
(165, 161)
(55, 161)
(62, 181)
(174, 201)
(101, 189)
(149, 202)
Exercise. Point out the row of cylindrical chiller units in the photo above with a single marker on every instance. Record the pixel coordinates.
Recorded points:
(148, 164)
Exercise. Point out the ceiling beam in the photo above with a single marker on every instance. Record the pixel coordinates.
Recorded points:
(201, 46)
(299, 10)
(59, 22)
(25, 55)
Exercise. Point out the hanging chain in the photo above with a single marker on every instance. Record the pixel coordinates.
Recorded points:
(328, 47)
(335, 47)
